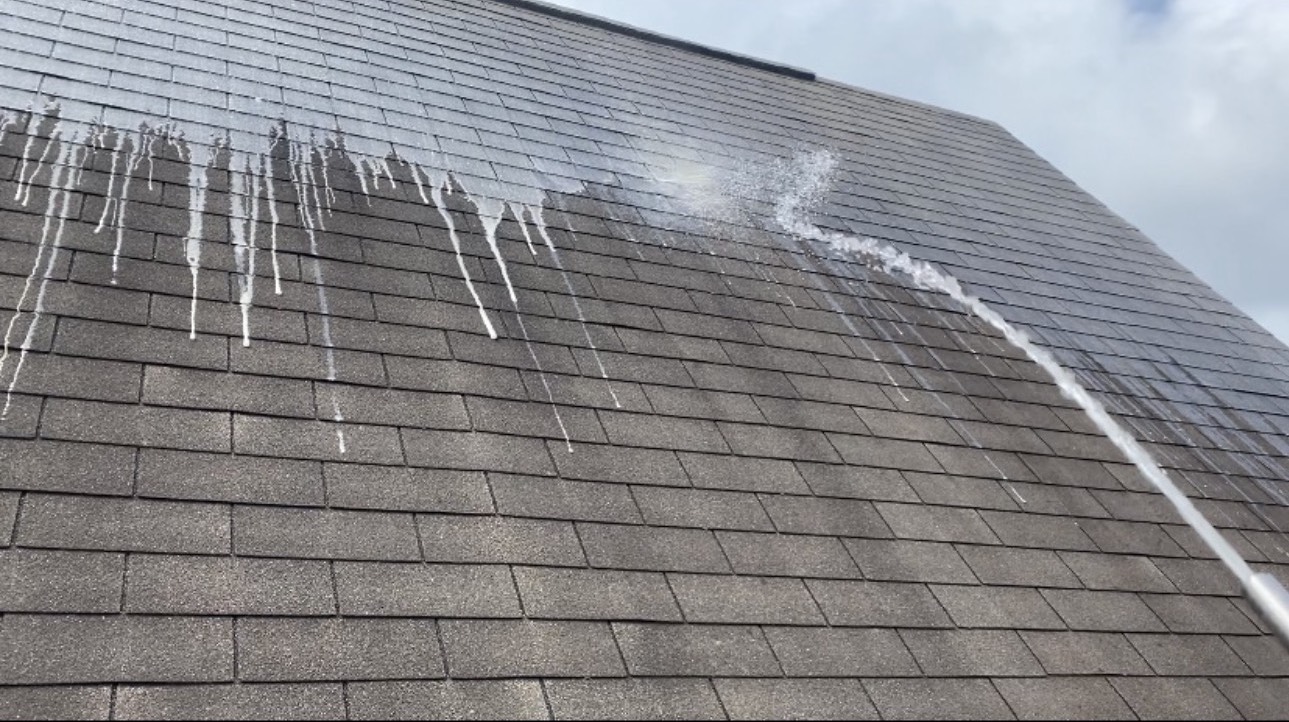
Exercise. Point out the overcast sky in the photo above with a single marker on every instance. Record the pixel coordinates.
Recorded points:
(1175, 113)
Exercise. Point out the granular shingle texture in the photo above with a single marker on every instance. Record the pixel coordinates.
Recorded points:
(262, 455)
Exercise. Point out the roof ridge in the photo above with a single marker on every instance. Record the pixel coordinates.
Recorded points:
(597, 21)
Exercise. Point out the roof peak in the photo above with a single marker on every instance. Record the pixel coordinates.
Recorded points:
(597, 21)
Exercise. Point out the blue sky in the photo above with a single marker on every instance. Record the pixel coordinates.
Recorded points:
(1175, 113)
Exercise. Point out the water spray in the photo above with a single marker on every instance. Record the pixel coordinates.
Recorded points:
(811, 175)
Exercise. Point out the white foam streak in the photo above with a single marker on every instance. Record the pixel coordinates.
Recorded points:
(109, 202)
(131, 164)
(540, 222)
(490, 212)
(266, 170)
(26, 154)
(243, 251)
(301, 183)
(436, 192)
(62, 165)
(197, 181)
(41, 247)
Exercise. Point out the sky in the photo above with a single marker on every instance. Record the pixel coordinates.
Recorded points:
(1174, 113)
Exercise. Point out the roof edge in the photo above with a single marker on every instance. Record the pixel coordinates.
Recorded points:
(596, 21)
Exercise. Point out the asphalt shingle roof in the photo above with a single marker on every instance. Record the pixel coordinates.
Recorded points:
(705, 470)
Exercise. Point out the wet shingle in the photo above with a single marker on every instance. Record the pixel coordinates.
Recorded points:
(915, 699)
(447, 699)
(640, 698)
(504, 648)
(240, 701)
(58, 649)
(702, 457)
(297, 650)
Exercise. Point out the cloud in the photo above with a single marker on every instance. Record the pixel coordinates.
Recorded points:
(1174, 114)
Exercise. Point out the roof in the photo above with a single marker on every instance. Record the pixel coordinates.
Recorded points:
(714, 464)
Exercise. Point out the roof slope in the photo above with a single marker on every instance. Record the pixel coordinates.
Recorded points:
(261, 457)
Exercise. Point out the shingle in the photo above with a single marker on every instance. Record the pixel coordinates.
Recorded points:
(885, 453)
(702, 404)
(743, 600)
(529, 418)
(1085, 653)
(620, 464)
(800, 414)
(227, 586)
(1051, 499)
(835, 652)
(499, 540)
(301, 439)
(81, 337)
(8, 515)
(1018, 567)
(701, 508)
(59, 466)
(664, 650)
(1103, 611)
(944, 490)
(1256, 698)
(745, 474)
(834, 517)
(324, 533)
(1199, 615)
(920, 699)
(790, 555)
(84, 522)
(135, 425)
(447, 699)
(559, 499)
(223, 477)
(913, 561)
(362, 486)
(662, 433)
(997, 607)
(652, 548)
(969, 461)
(957, 653)
(1174, 698)
(595, 594)
(54, 581)
(638, 698)
(1131, 538)
(1198, 576)
(396, 407)
(55, 649)
(865, 604)
(1265, 654)
(1117, 572)
(191, 388)
(231, 702)
(931, 523)
(424, 590)
(80, 378)
(1056, 698)
(61, 702)
(781, 699)
(1038, 531)
(478, 451)
(289, 650)
(856, 482)
(1188, 655)
(503, 648)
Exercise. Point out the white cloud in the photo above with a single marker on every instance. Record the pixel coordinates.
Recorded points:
(1175, 114)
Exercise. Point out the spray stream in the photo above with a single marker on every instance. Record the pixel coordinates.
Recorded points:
(791, 214)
